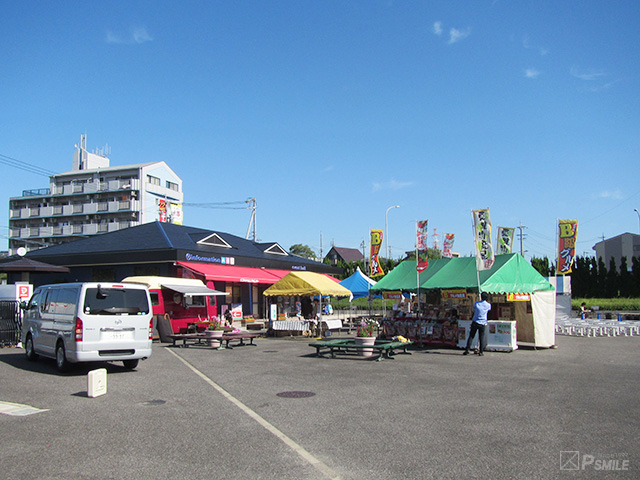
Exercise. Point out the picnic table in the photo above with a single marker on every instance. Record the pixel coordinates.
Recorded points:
(202, 339)
(384, 348)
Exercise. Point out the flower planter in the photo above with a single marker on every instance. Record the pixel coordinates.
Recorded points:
(365, 352)
(212, 335)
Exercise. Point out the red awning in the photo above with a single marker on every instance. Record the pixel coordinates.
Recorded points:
(230, 273)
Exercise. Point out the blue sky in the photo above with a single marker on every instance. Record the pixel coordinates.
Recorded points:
(329, 112)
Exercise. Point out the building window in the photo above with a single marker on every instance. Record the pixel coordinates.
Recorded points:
(172, 186)
(153, 180)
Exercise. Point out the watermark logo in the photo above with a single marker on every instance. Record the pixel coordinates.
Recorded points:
(574, 460)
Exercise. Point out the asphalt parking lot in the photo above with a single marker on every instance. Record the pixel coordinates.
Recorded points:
(275, 411)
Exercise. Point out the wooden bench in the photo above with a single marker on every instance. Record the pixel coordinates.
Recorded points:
(384, 348)
(202, 339)
(242, 337)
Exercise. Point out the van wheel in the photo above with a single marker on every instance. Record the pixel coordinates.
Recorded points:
(29, 350)
(130, 364)
(61, 358)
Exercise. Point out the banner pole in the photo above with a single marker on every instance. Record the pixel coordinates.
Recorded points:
(417, 272)
(475, 247)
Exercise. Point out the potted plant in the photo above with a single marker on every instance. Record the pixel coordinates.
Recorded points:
(214, 331)
(366, 335)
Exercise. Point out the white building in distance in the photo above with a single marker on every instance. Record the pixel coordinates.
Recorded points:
(94, 198)
(625, 245)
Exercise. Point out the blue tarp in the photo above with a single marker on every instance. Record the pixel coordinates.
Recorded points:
(358, 284)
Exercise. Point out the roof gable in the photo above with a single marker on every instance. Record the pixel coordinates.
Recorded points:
(214, 240)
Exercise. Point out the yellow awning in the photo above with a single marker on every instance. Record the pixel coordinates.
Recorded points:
(306, 284)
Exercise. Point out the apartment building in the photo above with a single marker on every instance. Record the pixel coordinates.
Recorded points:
(94, 198)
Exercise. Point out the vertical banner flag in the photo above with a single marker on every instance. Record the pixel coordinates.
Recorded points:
(567, 235)
(422, 261)
(505, 240)
(376, 242)
(447, 245)
(482, 239)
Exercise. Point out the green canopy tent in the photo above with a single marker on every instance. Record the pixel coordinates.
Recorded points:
(511, 273)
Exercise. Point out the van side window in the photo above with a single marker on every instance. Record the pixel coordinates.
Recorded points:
(49, 305)
(35, 300)
(67, 301)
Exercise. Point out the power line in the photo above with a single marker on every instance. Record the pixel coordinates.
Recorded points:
(27, 167)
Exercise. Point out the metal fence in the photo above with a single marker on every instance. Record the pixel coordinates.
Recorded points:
(10, 323)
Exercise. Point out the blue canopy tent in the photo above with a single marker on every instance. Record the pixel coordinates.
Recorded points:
(358, 283)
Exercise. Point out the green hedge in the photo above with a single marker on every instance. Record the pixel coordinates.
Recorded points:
(614, 304)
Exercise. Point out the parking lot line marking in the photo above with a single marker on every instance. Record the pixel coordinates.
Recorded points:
(19, 410)
(313, 461)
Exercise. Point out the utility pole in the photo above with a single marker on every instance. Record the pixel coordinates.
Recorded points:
(521, 227)
(252, 230)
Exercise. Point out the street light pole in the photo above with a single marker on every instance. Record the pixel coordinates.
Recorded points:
(636, 210)
(386, 239)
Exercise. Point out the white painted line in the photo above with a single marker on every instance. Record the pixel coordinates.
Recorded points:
(313, 461)
(19, 410)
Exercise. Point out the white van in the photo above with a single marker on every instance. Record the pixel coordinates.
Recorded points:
(89, 322)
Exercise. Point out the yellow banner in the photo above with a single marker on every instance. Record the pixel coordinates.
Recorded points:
(567, 236)
(376, 242)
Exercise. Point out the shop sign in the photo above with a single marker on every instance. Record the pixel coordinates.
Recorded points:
(518, 297)
(457, 293)
(24, 291)
(392, 295)
(194, 257)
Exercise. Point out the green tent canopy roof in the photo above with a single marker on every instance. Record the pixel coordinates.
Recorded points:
(510, 273)
(403, 276)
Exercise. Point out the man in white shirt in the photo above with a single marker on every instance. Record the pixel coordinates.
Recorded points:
(479, 323)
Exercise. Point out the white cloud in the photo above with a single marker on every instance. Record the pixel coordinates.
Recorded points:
(456, 35)
(531, 73)
(588, 75)
(611, 194)
(437, 28)
(392, 184)
(137, 35)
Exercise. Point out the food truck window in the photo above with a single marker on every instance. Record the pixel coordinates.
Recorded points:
(154, 298)
(177, 298)
(194, 301)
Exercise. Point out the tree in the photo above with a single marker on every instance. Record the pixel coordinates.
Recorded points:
(541, 265)
(612, 289)
(626, 281)
(302, 251)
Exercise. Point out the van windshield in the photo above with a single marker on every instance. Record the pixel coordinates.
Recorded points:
(115, 301)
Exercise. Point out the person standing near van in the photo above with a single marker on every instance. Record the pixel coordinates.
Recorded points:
(479, 323)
